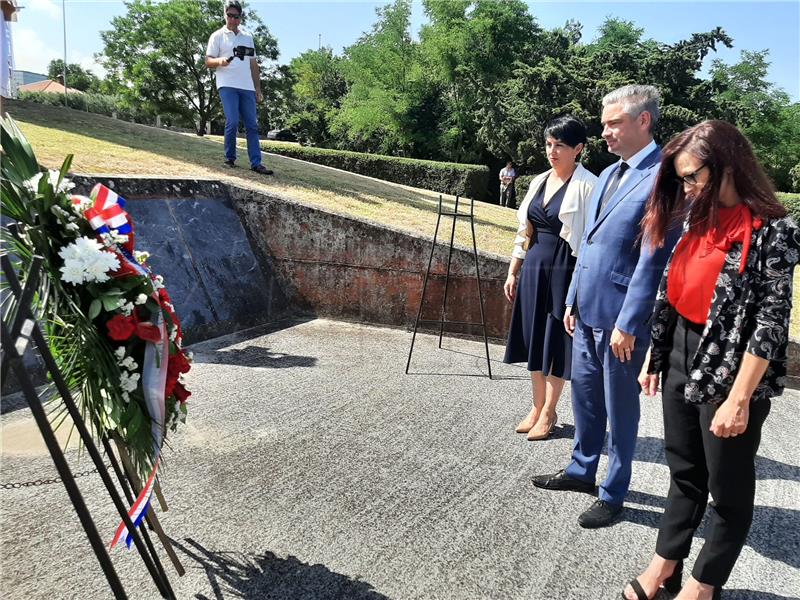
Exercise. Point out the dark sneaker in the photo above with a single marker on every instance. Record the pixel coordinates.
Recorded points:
(563, 482)
(230, 163)
(262, 170)
(599, 514)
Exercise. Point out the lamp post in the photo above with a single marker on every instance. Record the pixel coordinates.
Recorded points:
(64, 73)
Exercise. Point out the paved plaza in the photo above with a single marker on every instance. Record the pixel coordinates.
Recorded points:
(311, 467)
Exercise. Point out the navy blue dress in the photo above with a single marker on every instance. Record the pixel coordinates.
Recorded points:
(537, 335)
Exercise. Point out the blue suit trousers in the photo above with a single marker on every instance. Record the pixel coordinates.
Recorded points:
(604, 390)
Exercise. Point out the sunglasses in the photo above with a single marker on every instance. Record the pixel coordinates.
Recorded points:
(690, 178)
(233, 16)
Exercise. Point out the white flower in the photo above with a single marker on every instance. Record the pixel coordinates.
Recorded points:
(72, 272)
(86, 246)
(129, 364)
(141, 257)
(158, 282)
(72, 227)
(32, 184)
(112, 237)
(65, 184)
(85, 260)
(127, 308)
(59, 212)
(140, 299)
(126, 397)
(98, 269)
(120, 352)
(129, 381)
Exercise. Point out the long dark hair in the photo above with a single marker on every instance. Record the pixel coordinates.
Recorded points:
(722, 148)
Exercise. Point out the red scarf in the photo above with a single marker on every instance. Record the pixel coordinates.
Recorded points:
(699, 259)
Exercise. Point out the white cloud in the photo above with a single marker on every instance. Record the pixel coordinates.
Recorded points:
(87, 62)
(31, 53)
(47, 7)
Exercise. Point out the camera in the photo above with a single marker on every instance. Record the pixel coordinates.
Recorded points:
(242, 51)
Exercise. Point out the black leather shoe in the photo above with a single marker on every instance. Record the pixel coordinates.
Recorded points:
(261, 169)
(599, 514)
(562, 481)
(230, 163)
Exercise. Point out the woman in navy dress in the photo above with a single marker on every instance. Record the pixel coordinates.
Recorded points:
(551, 218)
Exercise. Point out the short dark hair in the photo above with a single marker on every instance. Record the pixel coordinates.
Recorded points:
(567, 129)
(233, 4)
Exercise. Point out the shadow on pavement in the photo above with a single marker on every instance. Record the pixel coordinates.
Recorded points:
(771, 534)
(255, 356)
(651, 449)
(265, 576)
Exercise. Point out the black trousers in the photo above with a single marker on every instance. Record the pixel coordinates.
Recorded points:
(701, 463)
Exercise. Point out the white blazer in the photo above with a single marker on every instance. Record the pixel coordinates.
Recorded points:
(572, 214)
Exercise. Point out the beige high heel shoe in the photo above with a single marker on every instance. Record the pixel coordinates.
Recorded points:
(535, 434)
(527, 423)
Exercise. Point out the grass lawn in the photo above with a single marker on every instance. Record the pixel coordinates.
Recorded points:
(102, 145)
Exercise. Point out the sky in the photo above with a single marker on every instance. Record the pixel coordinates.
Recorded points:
(301, 25)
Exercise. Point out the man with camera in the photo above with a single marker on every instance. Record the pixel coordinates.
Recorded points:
(231, 52)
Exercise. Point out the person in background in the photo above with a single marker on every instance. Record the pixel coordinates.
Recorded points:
(551, 221)
(719, 342)
(508, 193)
(609, 305)
(239, 84)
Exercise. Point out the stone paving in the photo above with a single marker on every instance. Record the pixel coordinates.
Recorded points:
(312, 468)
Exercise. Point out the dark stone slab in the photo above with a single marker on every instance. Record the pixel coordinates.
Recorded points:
(158, 233)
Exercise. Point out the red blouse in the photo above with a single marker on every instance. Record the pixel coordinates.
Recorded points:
(699, 259)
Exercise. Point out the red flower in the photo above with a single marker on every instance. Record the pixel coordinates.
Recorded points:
(120, 327)
(148, 332)
(178, 363)
(181, 393)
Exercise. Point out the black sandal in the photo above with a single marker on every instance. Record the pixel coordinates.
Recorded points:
(672, 584)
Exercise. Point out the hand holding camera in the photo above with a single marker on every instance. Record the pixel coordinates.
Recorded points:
(241, 51)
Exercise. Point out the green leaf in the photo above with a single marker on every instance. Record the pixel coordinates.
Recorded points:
(136, 421)
(94, 308)
(110, 303)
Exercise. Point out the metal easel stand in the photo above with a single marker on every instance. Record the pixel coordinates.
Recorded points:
(19, 328)
(443, 320)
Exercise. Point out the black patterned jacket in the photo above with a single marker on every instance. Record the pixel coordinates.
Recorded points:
(749, 313)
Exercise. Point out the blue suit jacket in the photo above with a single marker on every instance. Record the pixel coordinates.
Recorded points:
(617, 275)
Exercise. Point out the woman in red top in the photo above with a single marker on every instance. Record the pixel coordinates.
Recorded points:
(719, 341)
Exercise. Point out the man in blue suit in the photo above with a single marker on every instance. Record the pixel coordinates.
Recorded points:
(609, 305)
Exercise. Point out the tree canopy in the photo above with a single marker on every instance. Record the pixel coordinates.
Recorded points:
(477, 84)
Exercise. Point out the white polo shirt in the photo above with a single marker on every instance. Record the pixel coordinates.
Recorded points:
(237, 74)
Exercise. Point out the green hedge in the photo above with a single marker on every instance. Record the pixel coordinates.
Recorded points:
(100, 104)
(521, 185)
(792, 204)
(470, 181)
(790, 201)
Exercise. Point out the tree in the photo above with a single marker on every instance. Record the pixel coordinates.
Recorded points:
(743, 96)
(379, 69)
(157, 52)
(77, 76)
(472, 48)
(317, 90)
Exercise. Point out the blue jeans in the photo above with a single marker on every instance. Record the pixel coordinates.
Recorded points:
(240, 103)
